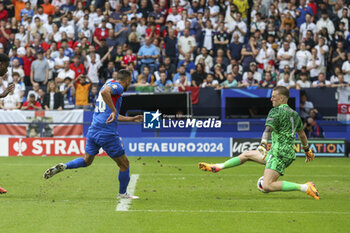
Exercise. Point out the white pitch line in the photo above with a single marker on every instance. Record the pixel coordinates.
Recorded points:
(124, 204)
(244, 211)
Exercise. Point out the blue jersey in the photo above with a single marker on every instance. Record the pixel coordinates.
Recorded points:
(102, 111)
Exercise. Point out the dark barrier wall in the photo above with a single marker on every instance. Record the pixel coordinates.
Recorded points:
(324, 100)
(209, 103)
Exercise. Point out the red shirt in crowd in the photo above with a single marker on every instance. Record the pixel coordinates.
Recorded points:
(37, 104)
(77, 69)
(128, 58)
(4, 15)
(101, 33)
(156, 31)
(27, 63)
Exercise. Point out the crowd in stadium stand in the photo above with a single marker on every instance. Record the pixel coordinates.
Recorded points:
(63, 51)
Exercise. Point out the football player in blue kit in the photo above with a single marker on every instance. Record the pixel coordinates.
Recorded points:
(103, 133)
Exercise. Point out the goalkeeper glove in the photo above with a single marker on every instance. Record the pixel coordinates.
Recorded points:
(262, 148)
(309, 154)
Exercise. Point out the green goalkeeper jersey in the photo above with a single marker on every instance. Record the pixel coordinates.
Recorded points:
(285, 123)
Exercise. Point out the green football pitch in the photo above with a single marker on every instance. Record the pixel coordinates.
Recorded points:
(175, 196)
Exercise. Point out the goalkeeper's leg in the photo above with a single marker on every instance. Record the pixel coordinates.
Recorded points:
(252, 155)
(271, 184)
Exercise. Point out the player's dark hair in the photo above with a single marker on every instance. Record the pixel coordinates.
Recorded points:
(282, 91)
(4, 58)
(123, 75)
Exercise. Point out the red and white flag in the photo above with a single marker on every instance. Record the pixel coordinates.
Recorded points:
(46, 123)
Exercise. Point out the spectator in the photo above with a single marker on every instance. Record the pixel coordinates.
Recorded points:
(346, 68)
(189, 65)
(67, 91)
(121, 31)
(338, 56)
(208, 60)
(285, 56)
(38, 29)
(322, 50)
(163, 82)
(305, 106)
(77, 66)
(93, 95)
(314, 65)
(207, 37)
(39, 70)
(128, 58)
(66, 28)
(48, 8)
(325, 22)
(53, 99)
(340, 82)
(186, 44)
(234, 49)
(321, 82)
(199, 75)
(59, 61)
(301, 13)
(249, 81)
(265, 56)
(238, 27)
(302, 57)
(35, 91)
(267, 81)
(108, 72)
(146, 75)
(66, 72)
(148, 54)
(235, 72)
(313, 129)
(286, 81)
(19, 86)
(27, 11)
(31, 104)
(16, 68)
(307, 26)
(133, 71)
(253, 69)
(286, 69)
(170, 68)
(249, 52)
(182, 71)
(210, 81)
(82, 91)
(101, 33)
(93, 66)
(303, 82)
(230, 82)
(10, 102)
(170, 42)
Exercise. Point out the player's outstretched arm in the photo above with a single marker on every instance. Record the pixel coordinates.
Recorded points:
(137, 118)
(107, 98)
(262, 148)
(308, 153)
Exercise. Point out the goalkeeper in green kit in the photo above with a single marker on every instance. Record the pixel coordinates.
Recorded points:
(283, 123)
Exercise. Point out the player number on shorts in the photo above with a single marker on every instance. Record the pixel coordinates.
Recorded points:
(100, 104)
(292, 121)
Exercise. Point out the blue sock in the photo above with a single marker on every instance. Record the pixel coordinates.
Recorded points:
(76, 163)
(124, 178)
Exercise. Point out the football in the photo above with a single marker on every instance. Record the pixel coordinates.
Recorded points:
(260, 184)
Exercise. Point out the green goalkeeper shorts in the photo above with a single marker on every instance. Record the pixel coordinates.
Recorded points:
(278, 163)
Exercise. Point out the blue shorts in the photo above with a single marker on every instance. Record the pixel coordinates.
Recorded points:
(110, 143)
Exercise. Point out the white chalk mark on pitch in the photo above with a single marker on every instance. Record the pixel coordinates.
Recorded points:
(124, 204)
(245, 211)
